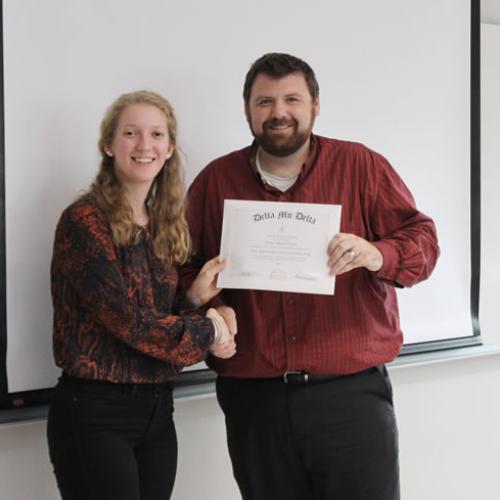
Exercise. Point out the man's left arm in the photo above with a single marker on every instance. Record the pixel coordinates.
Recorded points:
(404, 249)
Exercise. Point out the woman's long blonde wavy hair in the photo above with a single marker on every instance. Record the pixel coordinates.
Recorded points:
(166, 198)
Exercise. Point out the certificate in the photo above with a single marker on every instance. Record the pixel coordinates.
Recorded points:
(278, 246)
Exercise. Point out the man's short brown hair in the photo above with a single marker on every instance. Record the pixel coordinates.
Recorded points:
(277, 65)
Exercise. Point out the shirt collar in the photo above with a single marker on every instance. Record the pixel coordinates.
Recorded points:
(306, 167)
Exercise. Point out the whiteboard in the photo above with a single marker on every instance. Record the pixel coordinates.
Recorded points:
(393, 74)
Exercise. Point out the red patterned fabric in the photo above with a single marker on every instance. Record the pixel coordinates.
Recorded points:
(117, 313)
(358, 327)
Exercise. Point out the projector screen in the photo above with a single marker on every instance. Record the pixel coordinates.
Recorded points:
(394, 75)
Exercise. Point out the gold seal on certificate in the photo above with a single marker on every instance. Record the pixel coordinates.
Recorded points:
(278, 246)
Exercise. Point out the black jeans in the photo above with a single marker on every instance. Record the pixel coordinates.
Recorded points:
(326, 440)
(112, 441)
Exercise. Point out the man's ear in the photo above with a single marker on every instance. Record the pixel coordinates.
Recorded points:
(247, 111)
(316, 106)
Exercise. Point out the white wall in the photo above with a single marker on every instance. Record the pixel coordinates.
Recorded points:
(448, 413)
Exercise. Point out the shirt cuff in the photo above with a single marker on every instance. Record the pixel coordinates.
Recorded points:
(390, 265)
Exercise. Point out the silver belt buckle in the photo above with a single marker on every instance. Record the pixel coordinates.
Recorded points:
(286, 374)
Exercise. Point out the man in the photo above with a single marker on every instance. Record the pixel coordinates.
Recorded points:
(307, 399)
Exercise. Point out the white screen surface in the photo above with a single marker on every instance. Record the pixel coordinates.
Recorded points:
(394, 75)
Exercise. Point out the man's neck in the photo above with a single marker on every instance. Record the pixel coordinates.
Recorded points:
(287, 166)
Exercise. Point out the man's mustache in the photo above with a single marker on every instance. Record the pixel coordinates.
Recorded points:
(279, 122)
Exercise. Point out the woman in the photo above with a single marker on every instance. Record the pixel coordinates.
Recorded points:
(121, 329)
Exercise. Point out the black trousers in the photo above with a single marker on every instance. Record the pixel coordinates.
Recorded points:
(325, 440)
(112, 441)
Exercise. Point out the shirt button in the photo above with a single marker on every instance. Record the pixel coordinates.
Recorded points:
(290, 301)
(292, 339)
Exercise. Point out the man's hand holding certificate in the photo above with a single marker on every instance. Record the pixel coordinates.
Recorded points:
(278, 246)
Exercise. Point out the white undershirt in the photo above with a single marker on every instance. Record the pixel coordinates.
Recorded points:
(278, 182)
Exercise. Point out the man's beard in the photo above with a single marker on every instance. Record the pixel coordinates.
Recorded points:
(281, 145)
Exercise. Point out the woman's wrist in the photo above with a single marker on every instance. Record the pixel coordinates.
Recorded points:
(193, 299)
(217, 331)
(221, 330)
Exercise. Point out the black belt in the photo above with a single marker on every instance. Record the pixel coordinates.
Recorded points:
(309, 378)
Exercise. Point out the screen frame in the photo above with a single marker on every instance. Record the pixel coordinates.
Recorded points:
(29, 399)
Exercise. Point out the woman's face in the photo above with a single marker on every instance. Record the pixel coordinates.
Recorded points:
(141, 145)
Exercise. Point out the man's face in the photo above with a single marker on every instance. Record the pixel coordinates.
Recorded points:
(281, 113)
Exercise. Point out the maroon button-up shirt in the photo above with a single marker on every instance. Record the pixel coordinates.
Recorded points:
(358, 327)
